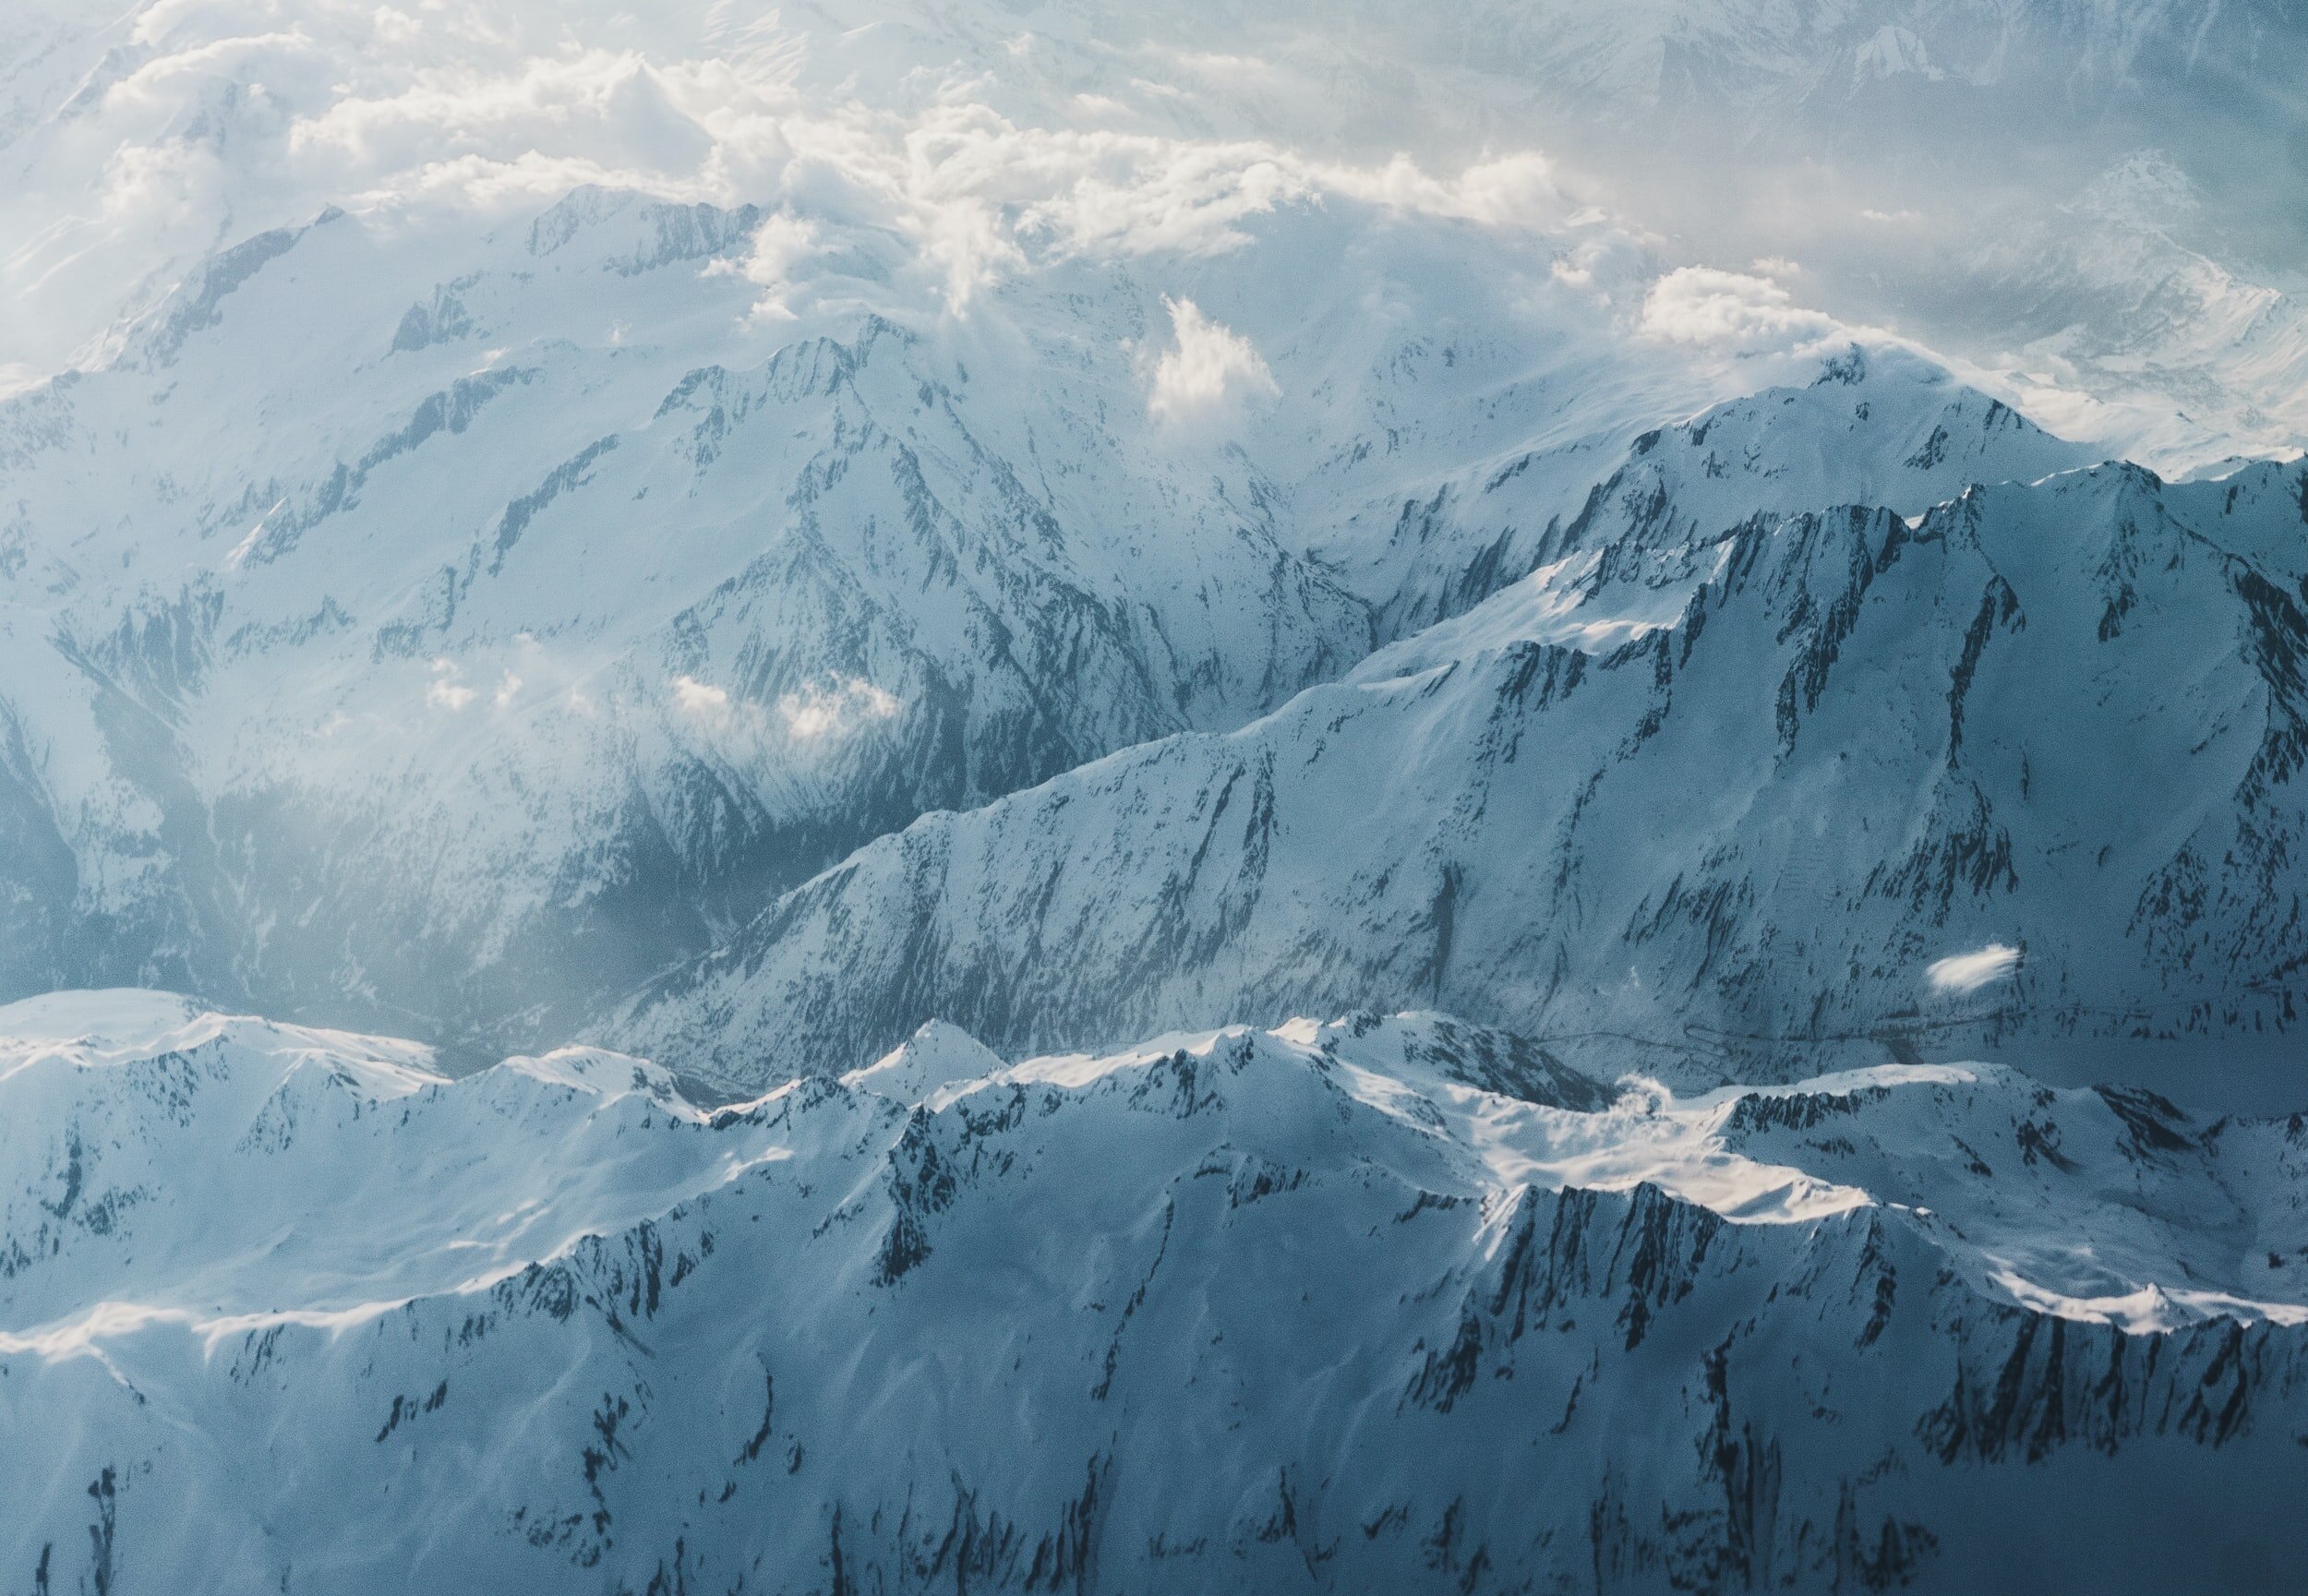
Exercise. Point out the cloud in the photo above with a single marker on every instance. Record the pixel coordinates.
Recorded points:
(1210, 368)
(816, 711)
(1731, 311)
(447, 689)
(229, 116)
(698, 697)
(613, 109)
(780, 246)
(812, 713)
(1509, 191)
(1969, 972)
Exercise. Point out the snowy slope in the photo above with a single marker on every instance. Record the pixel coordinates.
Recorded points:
(455, 647)
(1352, 1306)
(386, 640)
(1736, 796)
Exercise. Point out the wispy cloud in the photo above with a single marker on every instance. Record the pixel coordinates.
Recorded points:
(819, 712)
(700, 699)
(1969, 972)
(813, 714)
(447, 689)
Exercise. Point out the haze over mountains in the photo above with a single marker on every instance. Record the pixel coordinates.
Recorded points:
(776, 591)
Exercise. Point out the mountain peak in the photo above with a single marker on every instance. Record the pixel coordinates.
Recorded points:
(937, 1055)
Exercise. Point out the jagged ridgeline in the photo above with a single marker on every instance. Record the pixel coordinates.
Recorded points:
(1360, 1306)
(1678, 796)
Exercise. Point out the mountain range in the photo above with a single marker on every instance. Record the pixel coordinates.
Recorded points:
(903, 796)
(1335, 1306)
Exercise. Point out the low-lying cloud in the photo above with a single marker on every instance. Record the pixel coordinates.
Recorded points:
(843, 705)
(1734, 312)
(1210, 369)
(815, 713)
(693, 696)
(1968, 972)
(447, 689)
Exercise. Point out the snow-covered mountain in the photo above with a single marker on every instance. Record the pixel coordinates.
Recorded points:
(456, 648)
(1727, 580)
(1336, 1307)
(453, 651)
(1737, 789)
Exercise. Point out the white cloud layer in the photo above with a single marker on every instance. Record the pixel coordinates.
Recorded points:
(954, 146)
(193, 125)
